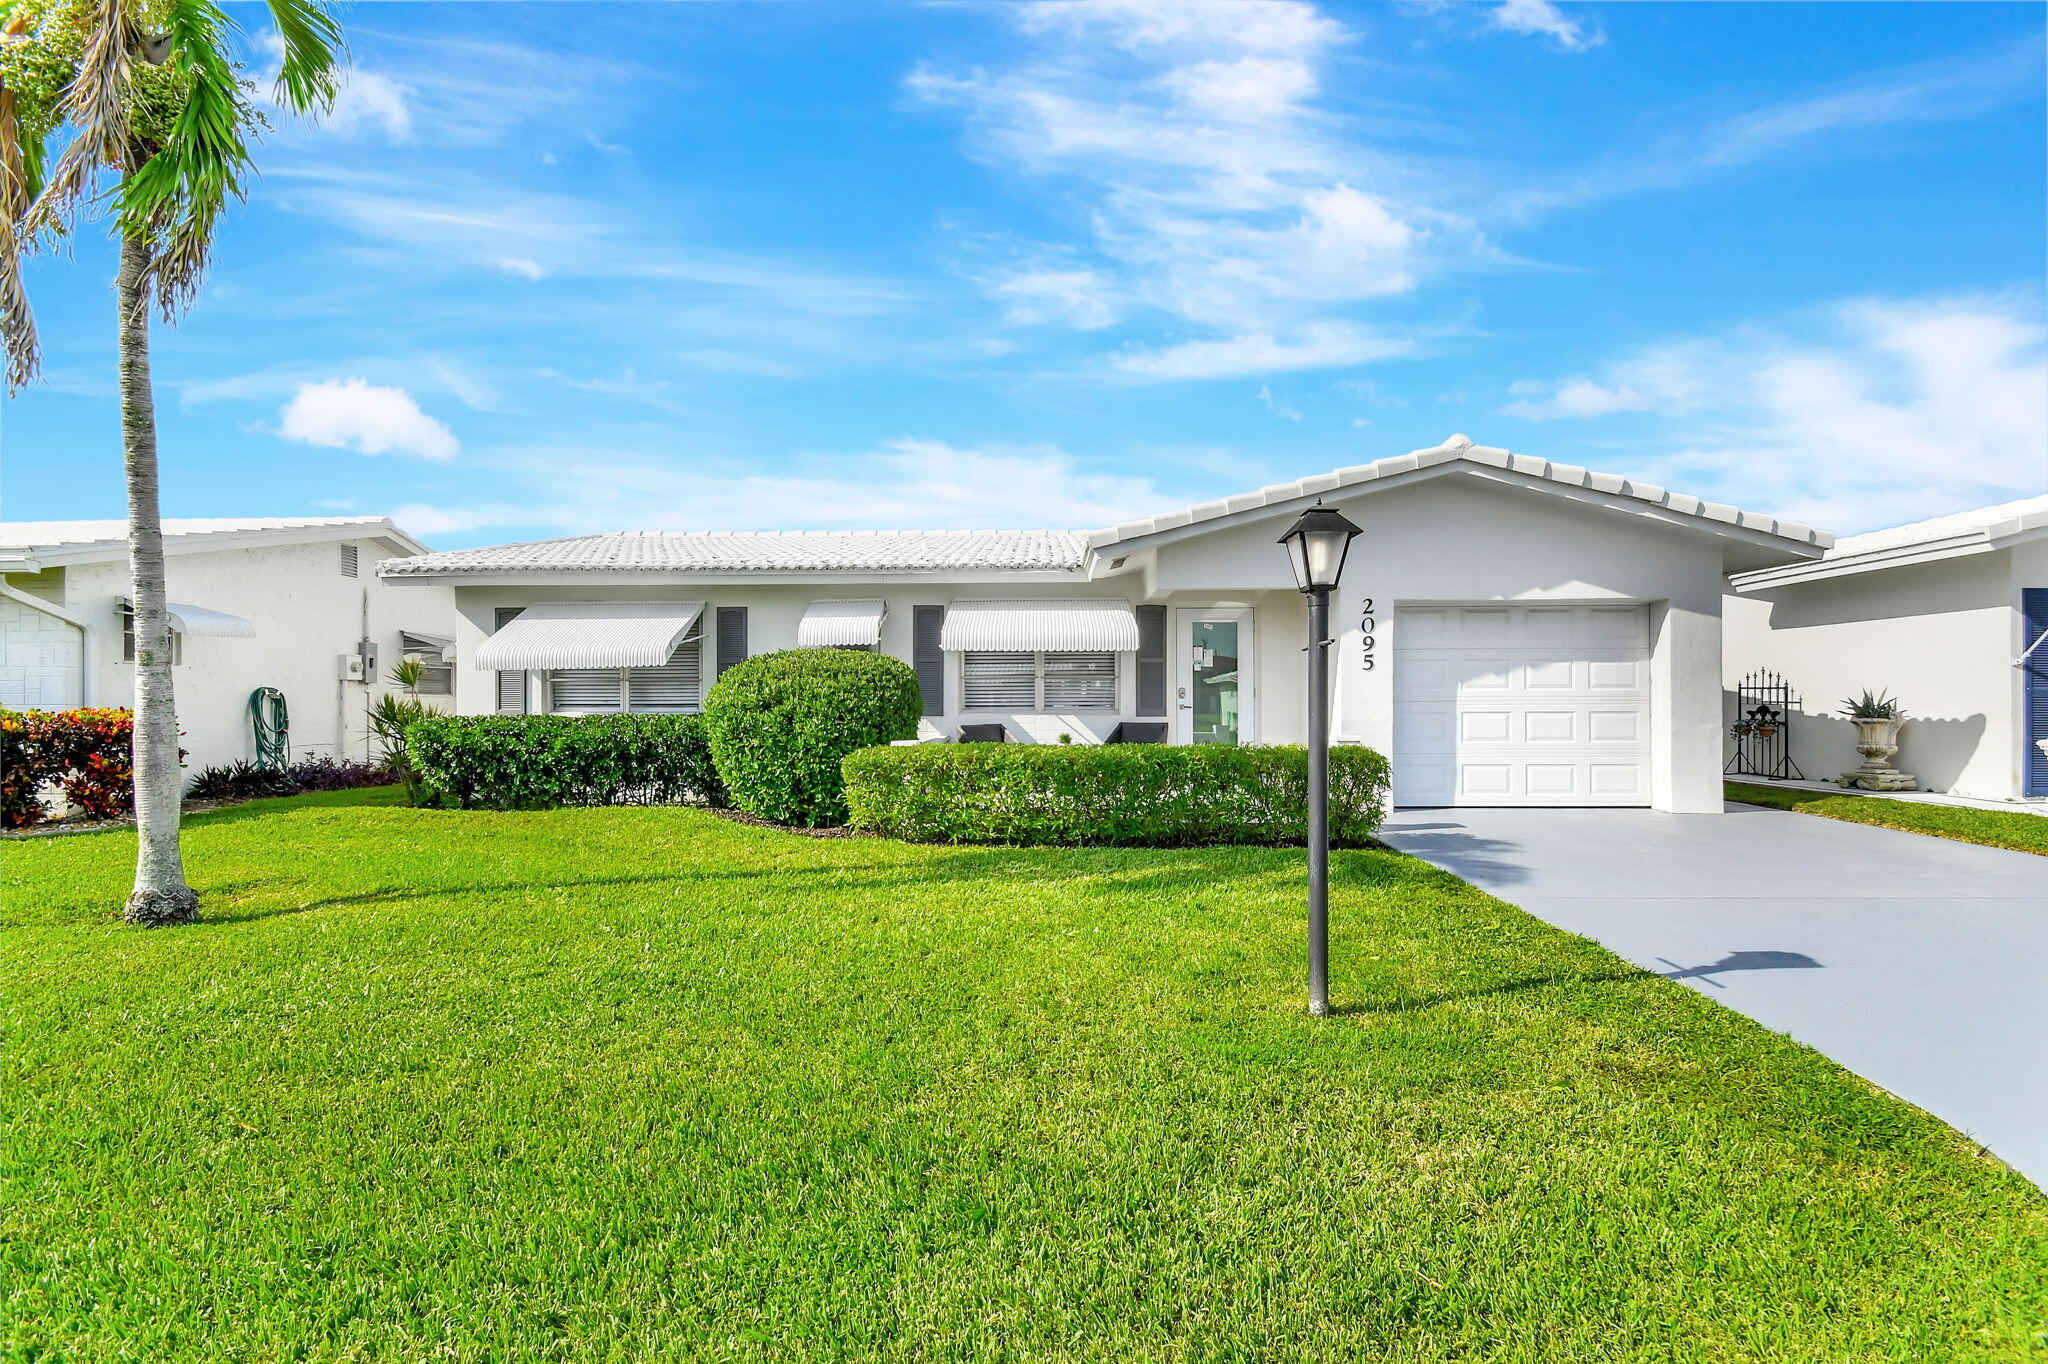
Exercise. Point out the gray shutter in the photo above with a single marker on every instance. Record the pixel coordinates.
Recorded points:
(511, 686)
(1151, 660)
(929, 660)
(732, 636)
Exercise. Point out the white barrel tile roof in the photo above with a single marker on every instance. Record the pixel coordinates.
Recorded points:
(767, 551)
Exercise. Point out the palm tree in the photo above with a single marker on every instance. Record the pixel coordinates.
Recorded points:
(153, 99)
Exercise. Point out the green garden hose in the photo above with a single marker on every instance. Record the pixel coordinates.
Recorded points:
(273, 728)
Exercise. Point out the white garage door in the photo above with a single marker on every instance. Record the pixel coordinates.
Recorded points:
(1522, 705)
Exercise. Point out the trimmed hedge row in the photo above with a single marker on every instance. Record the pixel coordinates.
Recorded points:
(535, 762)
(1139, 794)
(779, 725)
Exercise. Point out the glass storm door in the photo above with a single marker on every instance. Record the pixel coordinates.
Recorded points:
(1215, 696)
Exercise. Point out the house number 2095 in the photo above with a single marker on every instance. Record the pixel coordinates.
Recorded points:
(1366, 625)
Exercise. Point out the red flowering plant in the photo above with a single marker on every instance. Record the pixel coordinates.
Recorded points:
(87, 754)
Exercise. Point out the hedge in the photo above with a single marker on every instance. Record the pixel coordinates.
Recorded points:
(780, 723)
(1141, 794)
(536, 762)
(252, 781)
(87, 754)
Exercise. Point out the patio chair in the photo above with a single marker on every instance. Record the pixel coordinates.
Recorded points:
(984, 734)
(1138, 732)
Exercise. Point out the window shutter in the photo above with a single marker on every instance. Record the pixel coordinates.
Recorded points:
(584, 689)
(677, 685)
(511, 686)
(1005, 680)
(350, 561)
(1080, 681)
(2034, 608)
(1151, 660)
(732, 636)
(927, 658)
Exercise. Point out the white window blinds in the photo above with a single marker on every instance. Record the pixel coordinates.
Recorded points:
(675, 686)
(1058, 680)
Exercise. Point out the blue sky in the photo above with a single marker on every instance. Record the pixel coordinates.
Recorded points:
(560, 268)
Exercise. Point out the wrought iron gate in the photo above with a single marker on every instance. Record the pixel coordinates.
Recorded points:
(1763, 728)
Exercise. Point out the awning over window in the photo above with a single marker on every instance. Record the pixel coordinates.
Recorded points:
(1064, 625)
(201, 623)
(585, 634)
(431, 648)
(829, 623)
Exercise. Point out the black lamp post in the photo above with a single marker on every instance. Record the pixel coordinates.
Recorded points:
(1316, 546)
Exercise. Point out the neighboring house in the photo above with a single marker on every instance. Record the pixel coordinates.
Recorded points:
(280, 603)
(1939, 613)
(1509, 630)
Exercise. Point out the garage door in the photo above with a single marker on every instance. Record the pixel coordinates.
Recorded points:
(1522, 705)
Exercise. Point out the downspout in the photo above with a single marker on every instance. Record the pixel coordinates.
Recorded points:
(30, 600)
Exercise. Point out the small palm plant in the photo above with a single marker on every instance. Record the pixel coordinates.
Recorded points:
(1871, 706)
(394, 712)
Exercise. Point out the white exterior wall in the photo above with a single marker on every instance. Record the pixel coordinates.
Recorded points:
(773, 613)
(41, 662)
(1460, 541)
(1939, 636)
(306, 615)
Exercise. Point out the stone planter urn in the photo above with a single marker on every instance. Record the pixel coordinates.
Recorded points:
(1877, 740)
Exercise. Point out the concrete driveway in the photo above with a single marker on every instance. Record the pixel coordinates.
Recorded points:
(1919, 963)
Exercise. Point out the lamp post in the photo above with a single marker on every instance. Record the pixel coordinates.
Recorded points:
(1316, 546)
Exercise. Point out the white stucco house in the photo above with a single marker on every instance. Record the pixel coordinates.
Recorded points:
(1510, 631)
(1948, 615)
(288, 603)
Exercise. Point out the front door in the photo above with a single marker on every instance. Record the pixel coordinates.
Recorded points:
(1215, 693)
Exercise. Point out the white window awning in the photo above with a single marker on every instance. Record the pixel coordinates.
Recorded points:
(587, 634)
(829, 623)
(1076, 624)
(200, 622)
(432, 648)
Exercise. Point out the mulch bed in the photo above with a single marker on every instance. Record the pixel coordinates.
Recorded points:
(756, 822)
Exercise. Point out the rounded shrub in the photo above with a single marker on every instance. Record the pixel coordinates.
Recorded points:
(1128, 794)
(780, 723)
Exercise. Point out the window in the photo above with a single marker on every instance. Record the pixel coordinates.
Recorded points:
(1040, 681)
(351, 561)
(437, 675)
(675, 686)
(511, 685)
(128, 639)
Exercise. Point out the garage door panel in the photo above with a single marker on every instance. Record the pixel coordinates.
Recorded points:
(1521, 705)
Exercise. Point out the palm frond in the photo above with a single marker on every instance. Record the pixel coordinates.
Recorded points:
(313, 51)
(96, 108)
(176, 196)
(21, 176)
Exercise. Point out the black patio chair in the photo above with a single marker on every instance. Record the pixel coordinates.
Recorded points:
(1138, 732)
(984, 734)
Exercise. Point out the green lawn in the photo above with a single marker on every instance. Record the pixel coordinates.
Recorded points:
(1998, 828)
(642, 1085)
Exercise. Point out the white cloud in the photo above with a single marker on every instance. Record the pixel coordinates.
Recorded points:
(1540, 18)
(1074, 298)
(1319, 345)
(366, 98)
(1278, 407)
(522, 266)
(357, 415)
(1219, 193)
(911, 482)
(1874, 412)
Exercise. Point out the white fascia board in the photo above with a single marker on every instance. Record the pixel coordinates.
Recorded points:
(1900, 556)
(209, 542)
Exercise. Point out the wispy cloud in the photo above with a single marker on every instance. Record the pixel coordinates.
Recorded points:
(1541, 18)
(1218, 193)
(1317, 345)
(911, 482)
(1868, 413)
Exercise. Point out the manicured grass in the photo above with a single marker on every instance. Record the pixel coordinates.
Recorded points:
(1996, 828)
(645, 1085)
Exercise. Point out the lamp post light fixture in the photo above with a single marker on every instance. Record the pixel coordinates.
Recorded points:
(1316, 546)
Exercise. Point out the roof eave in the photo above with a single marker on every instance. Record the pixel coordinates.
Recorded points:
(1985, 541)
(763, 577)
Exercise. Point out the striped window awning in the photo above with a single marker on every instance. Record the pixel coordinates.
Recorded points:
(841, 623)
(201, 622)
(1076, 625)
(585, 634)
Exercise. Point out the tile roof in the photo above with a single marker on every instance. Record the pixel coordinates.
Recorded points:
(766, 551)
(52, 534)
(1455, 449)
(1989, 522)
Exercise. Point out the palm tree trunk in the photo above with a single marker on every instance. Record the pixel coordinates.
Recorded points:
(160, 895)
